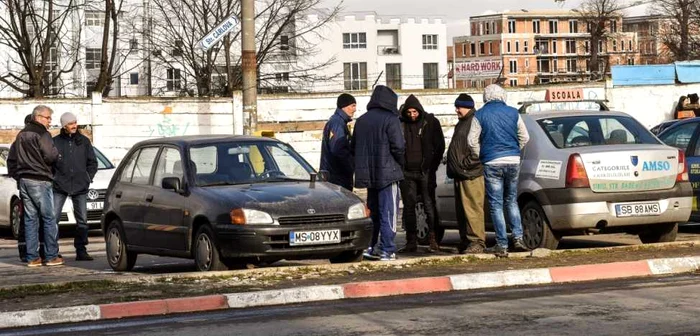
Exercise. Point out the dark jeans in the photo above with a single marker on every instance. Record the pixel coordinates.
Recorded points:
(502, 193)
(37, 198)
(383, 205)
(416, 184)
(80, 212)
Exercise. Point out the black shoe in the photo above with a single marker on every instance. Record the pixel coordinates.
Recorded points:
(83, 256)
(519, 245)
(498, 251)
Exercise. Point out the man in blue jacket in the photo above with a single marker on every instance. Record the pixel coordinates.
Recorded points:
(336, 156)
(379, 149)
(496, 137)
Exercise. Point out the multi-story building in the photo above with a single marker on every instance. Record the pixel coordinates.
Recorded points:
(649, 30)
(523, 48)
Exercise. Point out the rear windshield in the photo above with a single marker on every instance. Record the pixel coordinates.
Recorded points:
(582, 131)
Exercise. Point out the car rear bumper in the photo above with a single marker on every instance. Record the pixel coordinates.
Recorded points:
(273, 242)
(581, 208)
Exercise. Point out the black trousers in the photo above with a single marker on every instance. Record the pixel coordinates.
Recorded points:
(417, 184)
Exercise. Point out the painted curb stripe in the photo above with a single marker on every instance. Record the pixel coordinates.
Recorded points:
(397, 287)
(501, 279)
(161, 307)
(674, 265)
(49, 316)
(600, 271)
(284, 296)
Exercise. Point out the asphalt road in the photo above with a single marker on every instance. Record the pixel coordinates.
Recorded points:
(651, 306)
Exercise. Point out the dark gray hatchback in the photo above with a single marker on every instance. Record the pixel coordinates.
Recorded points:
(225, 201)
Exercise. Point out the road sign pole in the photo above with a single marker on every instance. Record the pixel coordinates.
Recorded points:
(249, 65)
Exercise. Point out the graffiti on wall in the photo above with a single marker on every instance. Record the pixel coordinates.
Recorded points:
(166, 127)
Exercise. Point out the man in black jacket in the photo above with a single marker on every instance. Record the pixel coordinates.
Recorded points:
(74, 173)
(468, 175)
(379, 155)
(30, 162)
(425, 145)
(336, 156)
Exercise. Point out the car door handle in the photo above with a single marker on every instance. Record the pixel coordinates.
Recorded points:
(149, 198)
(118, 194)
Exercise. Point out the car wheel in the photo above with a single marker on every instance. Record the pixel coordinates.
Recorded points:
(347, 257)
(15, 217)
(206, 253)
(536, 230)
(422, 230)
(118, 256)
(660, 233)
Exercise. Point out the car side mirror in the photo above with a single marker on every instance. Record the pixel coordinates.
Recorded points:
(323, 176)
(171, 183)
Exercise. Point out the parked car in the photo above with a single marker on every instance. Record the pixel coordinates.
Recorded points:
(228, 200)
(11, 207)
(656, 130)
(592, 172)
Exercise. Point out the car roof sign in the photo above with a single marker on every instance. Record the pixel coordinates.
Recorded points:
(564, 95)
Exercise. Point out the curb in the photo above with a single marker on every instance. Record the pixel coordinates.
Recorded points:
(539, 276)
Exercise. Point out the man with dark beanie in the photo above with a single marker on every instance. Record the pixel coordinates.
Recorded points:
(336, 157)
(425, 144)
(468, 175)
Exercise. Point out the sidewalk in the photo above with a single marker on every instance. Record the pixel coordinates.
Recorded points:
(339, 289)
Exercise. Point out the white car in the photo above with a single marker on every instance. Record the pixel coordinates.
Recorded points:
(10, 205)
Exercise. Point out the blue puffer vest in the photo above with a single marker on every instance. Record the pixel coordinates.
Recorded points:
(499, 131)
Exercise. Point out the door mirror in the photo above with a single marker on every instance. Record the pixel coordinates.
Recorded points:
(171, 183)
(323, 176)
(3, 171)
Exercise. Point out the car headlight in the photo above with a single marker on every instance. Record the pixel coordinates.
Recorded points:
(358, 211)
(250, 217)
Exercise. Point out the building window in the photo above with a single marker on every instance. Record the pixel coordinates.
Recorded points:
(133, 44)
(173, 80)
(430, 75)
(630, 61)
(473, 49)
(464, 49)
(543, 66)
(284, 43)
(570, 65)
(134, 78)
(430, 42)
(481, 28)
(508, 47)
(493, 27)
(177, 51)
(92, 58)
(94, 19)
(622, 45)
(511, 26)
(517, 46)
(541, 47)
(570, 46)
(553, 26)
(490, 48)
(282, 76)
(525, 47)
(513, 66)
(630, 46)
(587, 46)
(555, 65)
(354, 40)
(514, 82)
(614, 45)
(536, 26)
(393, 76)
(527, 64)
(355, 76)
(488, 28)
(600, 47)
(573, 26)
(482, 48)
(613, 26)
(554, 47)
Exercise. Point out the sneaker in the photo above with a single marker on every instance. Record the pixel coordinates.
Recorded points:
(55, 262)
(519, 245)
(498, 251)
(83, 256)
(370, 254)
(473, 248)
(387, 256)
(34, 263)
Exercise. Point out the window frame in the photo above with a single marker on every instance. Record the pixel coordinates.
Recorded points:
(357, 44)
(430, 42)
(349, 78)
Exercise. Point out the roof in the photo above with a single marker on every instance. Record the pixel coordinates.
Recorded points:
(203, 139)
(544, 14)
(571, 113)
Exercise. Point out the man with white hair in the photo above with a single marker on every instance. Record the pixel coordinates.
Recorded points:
(496, 137)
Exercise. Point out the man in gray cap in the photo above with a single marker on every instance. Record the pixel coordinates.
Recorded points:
(74, 172)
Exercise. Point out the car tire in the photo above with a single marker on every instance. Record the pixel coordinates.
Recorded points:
(422, 230)
(347, 257)
(15, 217)
(119, 257)
(206, 252)
(536, 230)
(660, 233)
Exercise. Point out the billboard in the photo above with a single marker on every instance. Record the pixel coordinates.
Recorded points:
(480, 68)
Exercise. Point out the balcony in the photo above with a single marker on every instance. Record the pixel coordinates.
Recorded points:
(388, 50)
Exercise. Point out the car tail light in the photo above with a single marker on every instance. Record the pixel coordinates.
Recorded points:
(682, 169)
(576, 176)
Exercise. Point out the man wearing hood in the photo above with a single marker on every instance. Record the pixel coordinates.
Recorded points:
(379, 158)
(74, 173)
(497, 136)
(336, 156)
(425, 144)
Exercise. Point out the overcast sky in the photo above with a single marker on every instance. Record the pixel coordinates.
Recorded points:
(457, 12)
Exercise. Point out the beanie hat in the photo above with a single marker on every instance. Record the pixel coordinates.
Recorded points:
(345, 100)
(68, 118)
(464, 100)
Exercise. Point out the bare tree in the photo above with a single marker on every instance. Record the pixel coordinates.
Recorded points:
(43, 40)
(280, 35)
(598, 16)
(680, 34)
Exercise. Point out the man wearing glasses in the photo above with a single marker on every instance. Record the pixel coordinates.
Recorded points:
(30, 162)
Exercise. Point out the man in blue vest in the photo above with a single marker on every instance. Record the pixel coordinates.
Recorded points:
(336, 156)
(497, 136)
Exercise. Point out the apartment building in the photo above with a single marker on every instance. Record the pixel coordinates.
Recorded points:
(538, 47)
(649, 29)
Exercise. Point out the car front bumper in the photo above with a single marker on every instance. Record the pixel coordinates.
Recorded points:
(68, 216)
(272, 242)
(581, 208)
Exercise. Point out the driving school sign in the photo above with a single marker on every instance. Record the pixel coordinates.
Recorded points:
(481, 68)
(218, 33)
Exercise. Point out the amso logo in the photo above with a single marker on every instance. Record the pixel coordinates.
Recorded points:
(656, 166)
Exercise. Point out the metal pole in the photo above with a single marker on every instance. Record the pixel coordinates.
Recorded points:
(249, 64)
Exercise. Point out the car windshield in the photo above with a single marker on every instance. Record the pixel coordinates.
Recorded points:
(231, 163)
(601, 130)
(102, 161)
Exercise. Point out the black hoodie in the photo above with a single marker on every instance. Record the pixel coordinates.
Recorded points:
(425, 142)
